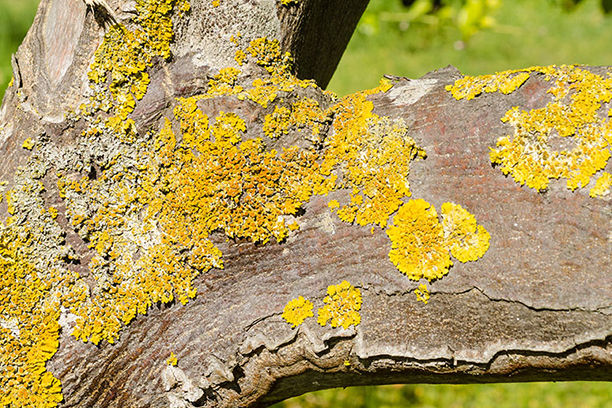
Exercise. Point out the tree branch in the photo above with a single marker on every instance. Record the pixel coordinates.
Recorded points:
(125, 209)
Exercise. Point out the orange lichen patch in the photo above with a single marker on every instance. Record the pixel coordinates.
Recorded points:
(268, 54)
(602, 185)
(467, 240)
(419, 249)
(206, 179)
(237, 186)
(277, 123)
(261, 90)
(306, 112)
(29, 330)
(377, 170)
(373, 154)
(343, 302)
(571, 122)
(297, 310)
(195, 131)
(125, 286)
(224, 83)
(172, 360)
(420, 244)
(422, 293)
(240, 57)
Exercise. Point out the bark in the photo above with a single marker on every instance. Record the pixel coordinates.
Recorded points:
(535, 307)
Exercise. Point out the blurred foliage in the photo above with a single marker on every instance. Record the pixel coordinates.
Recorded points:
(606, 5)
(393, 39)
(412, 37)
(469, 16)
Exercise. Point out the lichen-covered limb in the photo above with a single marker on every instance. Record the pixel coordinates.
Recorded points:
(196, 232)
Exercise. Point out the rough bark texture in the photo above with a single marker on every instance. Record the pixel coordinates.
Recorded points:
(536, 306)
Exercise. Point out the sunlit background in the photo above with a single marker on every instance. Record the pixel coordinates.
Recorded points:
(411, 38)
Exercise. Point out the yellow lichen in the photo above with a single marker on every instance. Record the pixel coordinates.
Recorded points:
(289, 2)
(466, 240)
(224, 82)
(422, 293)
(240, 57)
(207, 178)
(505, 82)
(417, 241)
(420, 244)
(268, 54)
(342, 305)
(602, 186)
(172, 360)
(375, 155)
(570, 119)
(297, 310)
(34, 289)
(28, 144)
(277, 123)
(118, 74)
(29, 329)
(333, 204)
(148, 208)
(53, 212)
(261, 90)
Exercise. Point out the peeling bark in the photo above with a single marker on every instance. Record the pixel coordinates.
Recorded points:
(536, 307)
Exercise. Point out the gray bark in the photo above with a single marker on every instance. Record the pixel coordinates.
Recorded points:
(536, 307)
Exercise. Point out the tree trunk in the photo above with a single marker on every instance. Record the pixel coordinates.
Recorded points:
(136, 177)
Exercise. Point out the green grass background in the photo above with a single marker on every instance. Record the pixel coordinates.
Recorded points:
(526, 33)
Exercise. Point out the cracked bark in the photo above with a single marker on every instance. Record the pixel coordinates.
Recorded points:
(537, 306)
